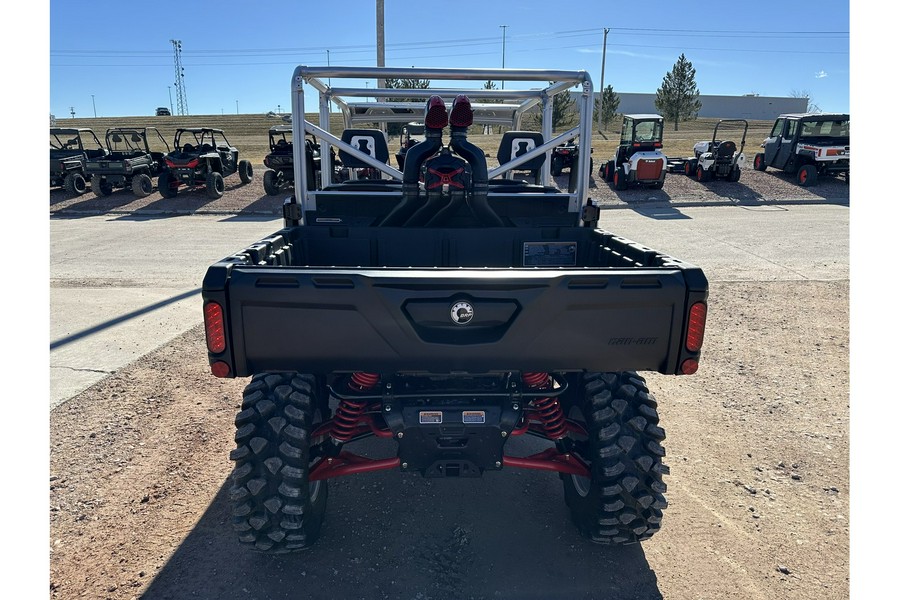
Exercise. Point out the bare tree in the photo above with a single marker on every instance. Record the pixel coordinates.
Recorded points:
(811, 105)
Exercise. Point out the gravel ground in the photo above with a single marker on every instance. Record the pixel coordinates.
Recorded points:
(758, 494)
(753, 187)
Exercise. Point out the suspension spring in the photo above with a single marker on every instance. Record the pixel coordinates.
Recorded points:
(349, 412)
(548, 410)
(364, 381)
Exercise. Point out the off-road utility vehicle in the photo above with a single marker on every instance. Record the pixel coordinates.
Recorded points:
(407, 140)
(202, 157)
(446, 317)
(639, 158)
(808, 145)
(717, 158)
(70, 149)
(565, 157)
(280, 160)
(136, 156)
(162, 111)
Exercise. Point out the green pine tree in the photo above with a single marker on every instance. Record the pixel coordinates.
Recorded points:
(610, 106)
(678, 98)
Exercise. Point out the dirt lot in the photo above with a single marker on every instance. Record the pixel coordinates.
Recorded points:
(759, 498)
(757, 445)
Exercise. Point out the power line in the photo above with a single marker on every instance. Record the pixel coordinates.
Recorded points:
(450, 43)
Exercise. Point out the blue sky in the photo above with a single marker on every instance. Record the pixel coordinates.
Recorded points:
(117, 58)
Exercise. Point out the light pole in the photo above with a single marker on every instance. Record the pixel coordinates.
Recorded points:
(94, 104)
(503, 54)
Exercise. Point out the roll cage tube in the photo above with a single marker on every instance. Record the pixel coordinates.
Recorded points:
(508, 113)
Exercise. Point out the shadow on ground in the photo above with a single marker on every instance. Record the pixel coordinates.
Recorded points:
(393, 535)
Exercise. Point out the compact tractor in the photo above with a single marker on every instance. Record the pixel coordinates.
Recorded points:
(639, 158)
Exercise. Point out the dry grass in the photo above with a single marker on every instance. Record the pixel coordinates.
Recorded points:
(249, 133)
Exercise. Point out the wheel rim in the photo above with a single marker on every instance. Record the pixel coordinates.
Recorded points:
(757, 162)
(581, 484)
(802, 175)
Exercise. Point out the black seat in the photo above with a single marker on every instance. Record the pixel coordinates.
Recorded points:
(726, 149)
(369, 141)
(516, 143)
(187, 148)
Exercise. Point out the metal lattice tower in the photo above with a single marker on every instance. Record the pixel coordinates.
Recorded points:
(180, 92)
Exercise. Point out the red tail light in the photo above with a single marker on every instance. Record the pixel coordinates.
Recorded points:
(193, 164)
(690, 366)
(657, 144)
(170, 164)
(696, 327)
(214, 320)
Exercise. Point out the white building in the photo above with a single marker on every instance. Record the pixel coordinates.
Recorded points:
(750, 107)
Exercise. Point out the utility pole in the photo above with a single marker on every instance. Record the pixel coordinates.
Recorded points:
(237, 108)
(602, 73)
(94, 104)
(379, 36)
(72, 111)
(328, 60)
(171, 108)
(180, 92)
(503, 54)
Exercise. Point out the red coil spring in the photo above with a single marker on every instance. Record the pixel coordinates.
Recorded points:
(364, 381)
(548, 409)
(350, 412)
(346, 417)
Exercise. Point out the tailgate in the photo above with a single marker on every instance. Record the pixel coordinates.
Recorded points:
(388, 320)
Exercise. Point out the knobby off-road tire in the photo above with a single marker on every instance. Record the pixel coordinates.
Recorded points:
(100, 187)
(75, 184)
(735, 174)
(215, 185)
(270, 183)
(555, 167)
(141, 185)
(623, 501)
(275, 507)
(245, 171)
(168, 188)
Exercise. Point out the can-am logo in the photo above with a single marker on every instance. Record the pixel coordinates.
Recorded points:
(462, 312)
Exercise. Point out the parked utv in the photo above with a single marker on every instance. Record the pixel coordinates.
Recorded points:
(70, 149)
(444, 310)
(808, 145)
(718, 158)
(407, 141)
(639, 158)
(280, 160)
(202, 157)
(136, 156)
(565, 157)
